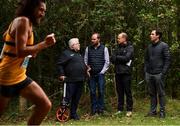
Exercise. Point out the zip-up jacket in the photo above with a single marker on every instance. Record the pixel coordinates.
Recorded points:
(122, 57)
(71, 64)
(157, 58)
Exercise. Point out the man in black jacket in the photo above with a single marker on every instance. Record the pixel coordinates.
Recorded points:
(122, 58)
(72, 70)
(157, 61)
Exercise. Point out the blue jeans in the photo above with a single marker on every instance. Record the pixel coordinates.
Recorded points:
(97, 102)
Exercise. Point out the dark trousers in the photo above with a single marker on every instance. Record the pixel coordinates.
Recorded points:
(156, 90)
(123, 87)
(73, 95)
(97, 102)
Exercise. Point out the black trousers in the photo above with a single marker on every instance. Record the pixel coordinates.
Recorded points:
(123, 87)
(156, 90)
(73, 95)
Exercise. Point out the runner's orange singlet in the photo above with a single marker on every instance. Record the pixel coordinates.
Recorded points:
(11, 70)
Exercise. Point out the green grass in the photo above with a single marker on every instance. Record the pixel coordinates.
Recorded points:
(141, 107)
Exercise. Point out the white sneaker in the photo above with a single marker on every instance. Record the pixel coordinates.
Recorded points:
(129, 114)
(118, 113)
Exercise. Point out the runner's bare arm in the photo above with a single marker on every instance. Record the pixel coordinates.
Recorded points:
(22, 33)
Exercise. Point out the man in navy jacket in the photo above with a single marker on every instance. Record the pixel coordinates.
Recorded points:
(157, 61)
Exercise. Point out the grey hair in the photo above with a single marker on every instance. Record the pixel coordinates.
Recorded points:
(124, 35)
(72, 41)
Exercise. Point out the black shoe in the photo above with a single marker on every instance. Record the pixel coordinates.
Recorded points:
(162, 115)
(93, 112)
(151, 114)
(75, 117)
(100, 112)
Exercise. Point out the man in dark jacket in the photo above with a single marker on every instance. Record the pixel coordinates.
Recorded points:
(72, 70)
(157, 61)
(122, 58)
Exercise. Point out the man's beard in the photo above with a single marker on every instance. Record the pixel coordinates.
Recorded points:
(37, 21)
(95, 44)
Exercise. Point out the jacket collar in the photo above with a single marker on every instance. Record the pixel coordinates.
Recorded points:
(124, 45)
(154, 44)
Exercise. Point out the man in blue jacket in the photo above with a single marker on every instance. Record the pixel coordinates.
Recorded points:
(157, 61)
